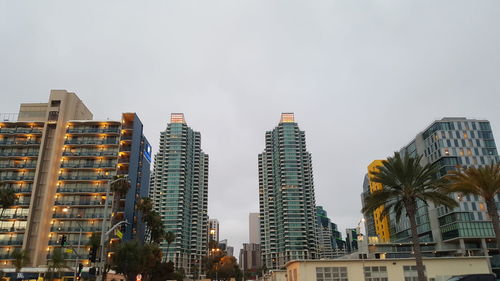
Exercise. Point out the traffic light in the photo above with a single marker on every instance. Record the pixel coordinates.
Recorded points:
(93, 254)
(64, 240)
(80, 268)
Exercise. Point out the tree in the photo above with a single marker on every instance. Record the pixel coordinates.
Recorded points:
(406, 183)
(120, 186)
(483, 181)
(155, 226)
(21, 259)
(131, 258)
(57, 263)
(169, 238)
(145, 206)
(94, 240)
(7, 198)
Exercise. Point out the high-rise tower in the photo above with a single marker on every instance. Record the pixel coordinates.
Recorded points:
(59, 162)
(180, 193)
(286, 196)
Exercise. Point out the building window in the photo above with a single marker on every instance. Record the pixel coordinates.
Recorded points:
(410, 273)
(331, 274)
(376, 273)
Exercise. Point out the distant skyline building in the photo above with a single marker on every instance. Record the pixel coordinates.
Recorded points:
(254, 228)
(375, 225)
(250, 257)
(351, 240)
(286, 196)
(180, 193)
(60, 161)
(213, 230)
(325, 234)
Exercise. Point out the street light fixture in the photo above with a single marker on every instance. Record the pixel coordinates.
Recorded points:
(105, 222)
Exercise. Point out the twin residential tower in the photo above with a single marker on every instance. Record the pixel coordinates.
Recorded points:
(286, 196)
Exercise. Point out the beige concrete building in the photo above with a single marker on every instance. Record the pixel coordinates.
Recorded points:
(437, 269)
(59, 162)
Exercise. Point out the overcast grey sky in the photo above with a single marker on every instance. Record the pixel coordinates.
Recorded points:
(363, 78)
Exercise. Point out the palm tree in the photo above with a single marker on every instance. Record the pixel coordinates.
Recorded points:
(21, 259)
(483, 181)
(57, 263)
(155, 226)
(405, 183)
(145, 205)
(120, 186)
(169, 238)
(7, 198)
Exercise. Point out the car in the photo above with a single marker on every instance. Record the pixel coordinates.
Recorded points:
(473, 277)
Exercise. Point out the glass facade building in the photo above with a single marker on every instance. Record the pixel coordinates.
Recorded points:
(327, 236)
(180, 193)
(286, 196)
(453, 143)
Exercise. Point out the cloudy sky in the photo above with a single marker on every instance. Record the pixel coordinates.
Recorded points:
(363, 78)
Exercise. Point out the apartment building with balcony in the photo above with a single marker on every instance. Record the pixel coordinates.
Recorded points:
(180, 193)
(60, 161)
(286, 196)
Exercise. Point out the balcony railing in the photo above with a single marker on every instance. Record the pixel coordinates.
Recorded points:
(18, 154)
(14, 217)
(74, 216)
(92, 130)
(23, 190)
(17, 178)
(90, 153)
(79, 203)
(11, 242)
(19, 143)
(80, 178)
(83, 242)
(17, 166)
(89, 189)
(91, 142)
(75, 228)
(88, 166)
(20, 130)
(125, 148)
(13, 229)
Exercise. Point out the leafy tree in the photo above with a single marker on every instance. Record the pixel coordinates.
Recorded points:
(223, 267)
(56, 264)
(7, 198)
(21, 259)
(131, 258)
(169, 238)
(406, 183)
(483, 181)
(95, 240)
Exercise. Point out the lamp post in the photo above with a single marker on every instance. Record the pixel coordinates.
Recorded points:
(104, 227)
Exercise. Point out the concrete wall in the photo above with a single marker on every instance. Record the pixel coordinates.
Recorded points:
(438, 268)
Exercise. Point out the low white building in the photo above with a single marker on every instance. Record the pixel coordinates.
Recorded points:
(437, 269)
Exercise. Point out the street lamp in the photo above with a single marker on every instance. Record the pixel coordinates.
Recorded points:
(104, 225)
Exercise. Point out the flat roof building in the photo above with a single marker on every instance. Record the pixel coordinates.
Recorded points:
(59, 161)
